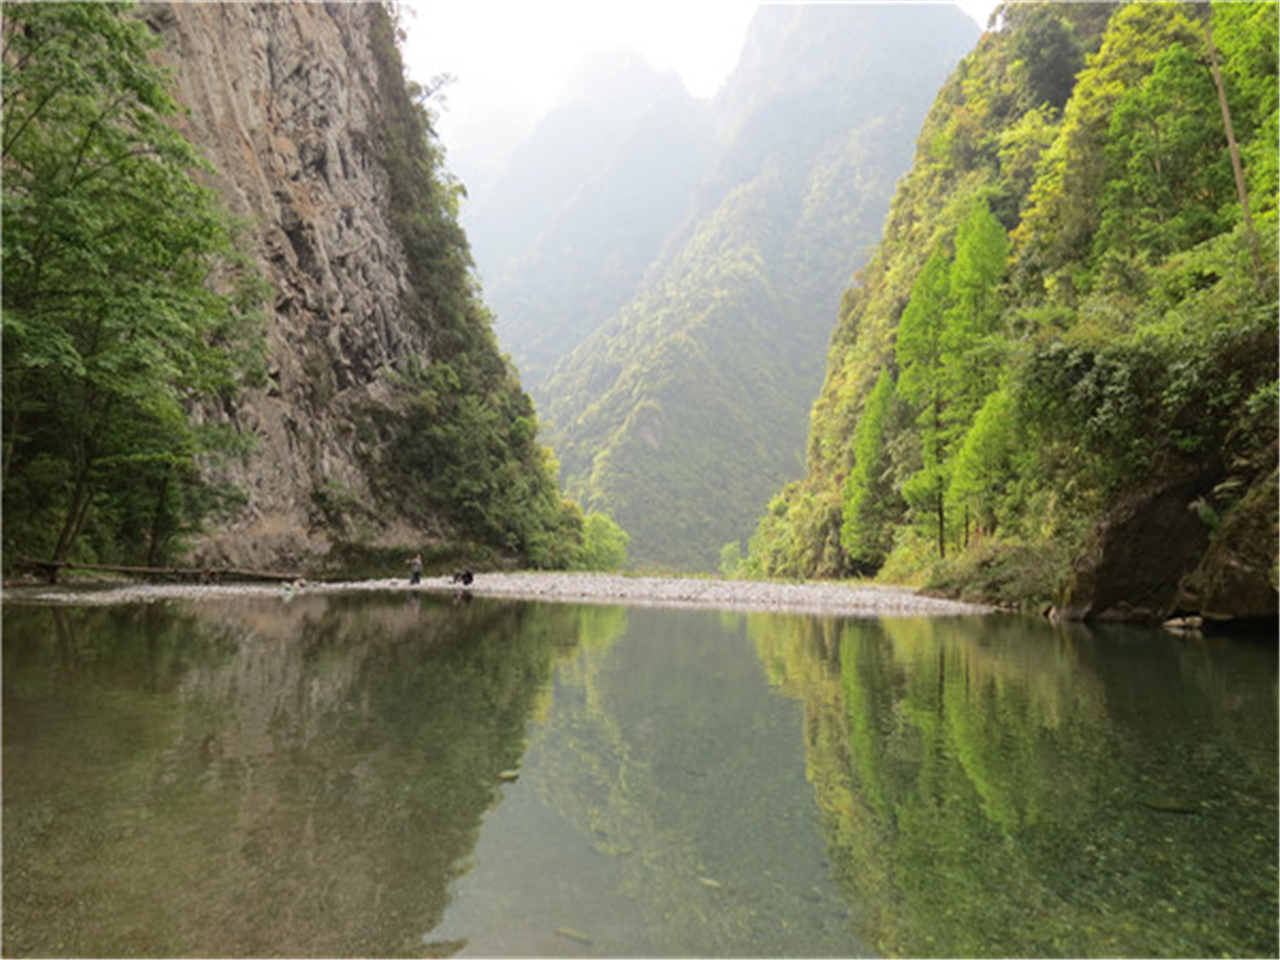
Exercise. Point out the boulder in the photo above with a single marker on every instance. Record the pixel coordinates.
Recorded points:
(1134, 564)
(1236, 577)
(1185, 545)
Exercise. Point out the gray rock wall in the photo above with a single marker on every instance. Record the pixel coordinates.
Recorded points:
(282, 101)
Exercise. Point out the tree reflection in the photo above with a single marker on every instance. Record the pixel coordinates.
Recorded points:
(307, 778)
(998, 787)
(300, 779)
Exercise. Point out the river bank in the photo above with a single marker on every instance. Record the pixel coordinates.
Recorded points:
(849, 599)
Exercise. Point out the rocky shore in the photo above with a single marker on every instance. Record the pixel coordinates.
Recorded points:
(849, 599)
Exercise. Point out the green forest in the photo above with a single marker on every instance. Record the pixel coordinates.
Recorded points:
(687, 409)
(1075, 299)
(129, 314)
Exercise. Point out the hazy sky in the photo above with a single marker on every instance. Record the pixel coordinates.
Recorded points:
(511, 58)
(521, 53)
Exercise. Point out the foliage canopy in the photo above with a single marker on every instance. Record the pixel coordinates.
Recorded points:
(112, 327)
(1064, 301)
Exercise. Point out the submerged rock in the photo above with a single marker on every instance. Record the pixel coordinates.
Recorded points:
(572, 934)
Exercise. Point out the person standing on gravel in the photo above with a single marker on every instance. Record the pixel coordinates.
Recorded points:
(415, 569)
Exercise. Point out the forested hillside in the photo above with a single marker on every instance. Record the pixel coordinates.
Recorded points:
(1056, 381)
(683, 411)
(314, 373)
(585, 205)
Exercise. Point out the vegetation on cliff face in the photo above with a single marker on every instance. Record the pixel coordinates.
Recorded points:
(460, 440)
(111, 329)
(1075, 294)
(129, 315)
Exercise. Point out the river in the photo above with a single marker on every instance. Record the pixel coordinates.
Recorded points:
(403, 775)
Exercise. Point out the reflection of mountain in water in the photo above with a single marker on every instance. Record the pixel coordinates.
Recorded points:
(368, 775)
(302, 779)
(662, 811)
(998, 788)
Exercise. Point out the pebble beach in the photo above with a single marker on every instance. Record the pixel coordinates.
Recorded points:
(840, 598)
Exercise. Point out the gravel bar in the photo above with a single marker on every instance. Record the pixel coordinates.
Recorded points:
(848, 599)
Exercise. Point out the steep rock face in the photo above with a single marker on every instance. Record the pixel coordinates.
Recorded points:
(1137, 559)
(1236, 577)
(281, 100)
(1157, 555)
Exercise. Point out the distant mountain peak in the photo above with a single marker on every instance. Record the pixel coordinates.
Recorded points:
(621, 83)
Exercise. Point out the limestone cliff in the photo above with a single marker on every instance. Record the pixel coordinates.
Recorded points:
(282, 100)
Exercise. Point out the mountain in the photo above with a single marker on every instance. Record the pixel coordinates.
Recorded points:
(682, 411)
(585, 204)
(321, 376)
(567, 147)
(1055, 383)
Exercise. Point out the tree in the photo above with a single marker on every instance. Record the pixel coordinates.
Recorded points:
(971, 353)
(918, 349)
(1233, 148)
(731, 561)
(1049, 53)
(112, 329)
(949, 352)
(1064, 211)
(870, 504)
(1244, 38)
(1168, 173)
(604, 543)
(920, 353)
(984, 464)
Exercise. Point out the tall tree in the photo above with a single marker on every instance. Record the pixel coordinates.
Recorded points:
(870, 503)
(1049, 54)
(1233, 147)
(1063, 211)
(920, 354)
(971, 349)
(984, 463)
(1245, 38)
(111, 328)
(1168, 174)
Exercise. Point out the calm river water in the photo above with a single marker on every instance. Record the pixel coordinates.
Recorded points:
(373, 776)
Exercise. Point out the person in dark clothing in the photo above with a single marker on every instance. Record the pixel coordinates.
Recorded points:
(415, 569)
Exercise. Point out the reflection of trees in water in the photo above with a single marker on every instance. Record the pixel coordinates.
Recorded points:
(603, 773)
(667, 754)
(299, 779)
(995, 786)
(262, 778)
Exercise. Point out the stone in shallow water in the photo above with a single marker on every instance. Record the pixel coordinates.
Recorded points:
(573, 934)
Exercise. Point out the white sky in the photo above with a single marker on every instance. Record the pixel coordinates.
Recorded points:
(511, 58)
(515, 55)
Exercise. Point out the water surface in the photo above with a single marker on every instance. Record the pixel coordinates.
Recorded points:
(390, 775)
